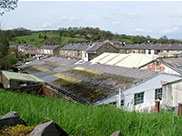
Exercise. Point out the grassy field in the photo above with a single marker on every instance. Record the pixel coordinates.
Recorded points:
(37, 39)
(127, 41)
(84, 120)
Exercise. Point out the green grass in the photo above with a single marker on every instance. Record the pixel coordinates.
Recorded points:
(34, 39)
(85, 120)
(127, 41)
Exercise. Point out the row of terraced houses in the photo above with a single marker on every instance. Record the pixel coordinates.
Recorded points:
(88, 51)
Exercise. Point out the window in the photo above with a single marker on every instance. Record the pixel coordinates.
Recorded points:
(141, 51)
(158, 94)
(113, 103)
(138, 98)
(149, 52)
(79, 53)
(158, 51)
(122, 102)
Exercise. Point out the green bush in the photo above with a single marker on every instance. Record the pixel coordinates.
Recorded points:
(11, 60)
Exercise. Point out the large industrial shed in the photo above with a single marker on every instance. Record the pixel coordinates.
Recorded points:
(142, 95)
(124, 60)
(98, 84)
(16, 81)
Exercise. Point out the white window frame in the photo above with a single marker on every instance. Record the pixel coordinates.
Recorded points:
(139, 98)
(158, 94)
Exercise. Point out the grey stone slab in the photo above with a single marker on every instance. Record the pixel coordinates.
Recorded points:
(49, 128)
(11, 119)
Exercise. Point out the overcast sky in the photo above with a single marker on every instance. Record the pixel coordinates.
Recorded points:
(134, 18)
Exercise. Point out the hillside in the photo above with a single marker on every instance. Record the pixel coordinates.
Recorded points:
(85, 120)
(41, 38)
(78, 34)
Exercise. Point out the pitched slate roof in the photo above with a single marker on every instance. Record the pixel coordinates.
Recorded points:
(76, 46)
(173, 63)
(116, 43)
(11, 46)
(152, 46)
(94, 47)
(88, 47)
(25, 46)
(50, 47)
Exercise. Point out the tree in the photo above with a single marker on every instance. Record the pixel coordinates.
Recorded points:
(4, 46)
(163, 39)
(11, 60)
(7, 5)
(45, 37)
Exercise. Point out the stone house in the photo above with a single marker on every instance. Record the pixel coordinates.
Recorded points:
(26, 49)
(153, 49)
(87, 51)
(73, 50)
(49, 50)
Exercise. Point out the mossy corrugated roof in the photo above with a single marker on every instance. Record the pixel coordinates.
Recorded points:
(21, 76)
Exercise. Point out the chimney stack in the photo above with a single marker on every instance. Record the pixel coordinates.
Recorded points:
(122, 43)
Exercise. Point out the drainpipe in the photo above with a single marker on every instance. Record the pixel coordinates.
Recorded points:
(119, 98)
